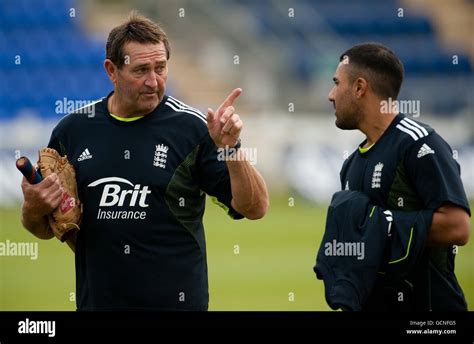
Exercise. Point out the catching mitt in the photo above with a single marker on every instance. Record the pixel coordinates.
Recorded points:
(65, 219)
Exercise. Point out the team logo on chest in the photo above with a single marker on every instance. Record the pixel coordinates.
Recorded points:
(161, 153)
(377, 176)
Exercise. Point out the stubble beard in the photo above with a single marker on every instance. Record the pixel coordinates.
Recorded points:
(349, 119)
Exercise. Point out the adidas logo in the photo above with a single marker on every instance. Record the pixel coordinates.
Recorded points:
(85, 155)
(424, 150)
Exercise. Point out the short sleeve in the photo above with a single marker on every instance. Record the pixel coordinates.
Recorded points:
(53, 142)
(56, 143)
(343, 172)
(213, 176)
(434, 172)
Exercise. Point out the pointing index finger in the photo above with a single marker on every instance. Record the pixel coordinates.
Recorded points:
(231, 97)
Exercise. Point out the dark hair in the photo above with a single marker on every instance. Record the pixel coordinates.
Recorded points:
(379, 65)
(137, 28)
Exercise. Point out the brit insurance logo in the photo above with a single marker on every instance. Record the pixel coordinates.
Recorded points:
(121, 193)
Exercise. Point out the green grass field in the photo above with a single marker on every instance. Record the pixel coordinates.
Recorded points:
(272, 270)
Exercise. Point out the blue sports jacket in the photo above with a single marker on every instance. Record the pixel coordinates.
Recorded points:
(364, 244)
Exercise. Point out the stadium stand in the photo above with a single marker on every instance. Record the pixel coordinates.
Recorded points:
(412, 36)
(46, 56)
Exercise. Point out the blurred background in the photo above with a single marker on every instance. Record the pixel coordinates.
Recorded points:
(283, 54)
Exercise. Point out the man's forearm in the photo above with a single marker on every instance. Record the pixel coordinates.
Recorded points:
(249, 192)
(38, 226)
(450, 226)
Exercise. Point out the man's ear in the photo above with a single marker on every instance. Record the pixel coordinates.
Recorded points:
(360, 87)
(111, 70)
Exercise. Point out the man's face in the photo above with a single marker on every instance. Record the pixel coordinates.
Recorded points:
(141, 81)
(348, 112)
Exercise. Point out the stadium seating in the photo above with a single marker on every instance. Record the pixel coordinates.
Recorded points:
(411, 36)
(45, 55)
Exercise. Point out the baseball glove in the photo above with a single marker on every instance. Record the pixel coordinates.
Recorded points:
(65, 219)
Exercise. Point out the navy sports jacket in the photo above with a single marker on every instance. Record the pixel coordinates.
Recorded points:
(363, 241)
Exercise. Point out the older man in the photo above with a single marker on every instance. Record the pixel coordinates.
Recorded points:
(144, 162)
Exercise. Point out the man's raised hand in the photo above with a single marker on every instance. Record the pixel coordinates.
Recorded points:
(224, 125)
